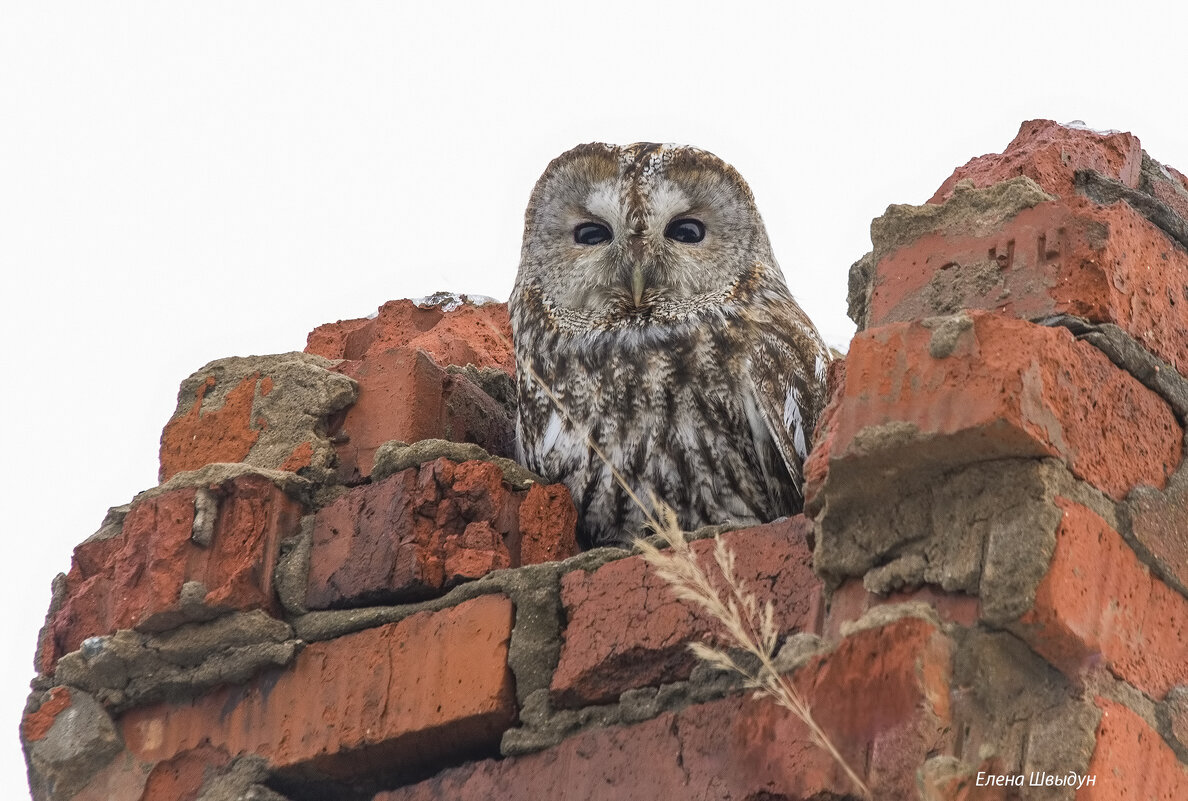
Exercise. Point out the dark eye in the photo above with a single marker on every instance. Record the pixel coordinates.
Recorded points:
(591, 234)
(686, 229)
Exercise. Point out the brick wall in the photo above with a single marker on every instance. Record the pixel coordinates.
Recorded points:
(345, 589)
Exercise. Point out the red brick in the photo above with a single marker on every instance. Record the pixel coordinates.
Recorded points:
(432, 686)
(1131, 762)
(625, 629)
(36, 725)
(330, 339)
(133, 580)
(404, 395)
(427, 528)
(123, 779)
(1000, 388)
(226, 434)
(468, 334)
(272, 412)
(548, 525)
(301, 457)
(181, 778)
(1050, 154)
(882, 697)
(1103, 263)
(1099, 603)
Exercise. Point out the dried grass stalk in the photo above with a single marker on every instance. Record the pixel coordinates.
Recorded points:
(745, 624)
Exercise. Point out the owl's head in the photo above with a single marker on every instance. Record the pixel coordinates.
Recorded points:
(626, 231)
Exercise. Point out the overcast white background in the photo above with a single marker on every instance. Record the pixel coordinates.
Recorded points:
(185, 181)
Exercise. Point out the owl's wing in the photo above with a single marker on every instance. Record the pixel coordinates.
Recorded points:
(787, 371)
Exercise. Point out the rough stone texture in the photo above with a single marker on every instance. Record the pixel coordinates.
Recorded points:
(1050, 154)
(393, 457)
(1131, 762)
(1017, 712)
(451, 329)
(427, 528)
(1102, 263)
(381, 701)
(1166, 185)
(625, 628)
(67, 741)
(123, 779)
(1099, 603)
(1172, 715)
(1050, 239)
(946, 778)
(1157, 525)
(129, 669)
(852, 600)
(268, 411)
(1152, 199)
(1124, 351)
(405, 395)
(970, 212)
(947, 392)
(548, 525)
(883, 694)
(150, 574)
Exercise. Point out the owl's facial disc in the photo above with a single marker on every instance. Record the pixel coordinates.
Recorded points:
(641, 232)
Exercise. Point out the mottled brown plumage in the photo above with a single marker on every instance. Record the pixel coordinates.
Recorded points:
(649, 303)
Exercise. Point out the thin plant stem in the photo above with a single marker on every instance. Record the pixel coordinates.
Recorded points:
(746, 625)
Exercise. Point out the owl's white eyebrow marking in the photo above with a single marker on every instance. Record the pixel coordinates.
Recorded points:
(667, 200)
(604, 202)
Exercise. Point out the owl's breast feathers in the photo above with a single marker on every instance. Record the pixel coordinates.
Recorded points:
(707, 402)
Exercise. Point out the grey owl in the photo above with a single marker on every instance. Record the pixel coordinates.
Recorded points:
(649, 303)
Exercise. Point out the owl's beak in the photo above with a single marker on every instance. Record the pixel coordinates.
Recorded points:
(637, 285)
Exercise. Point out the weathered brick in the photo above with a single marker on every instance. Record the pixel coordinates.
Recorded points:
(1158, 522)
(625, 628)
(381, 700)
(882, 696)
(1103, 263)
(135, 578)
(405, 395)
(1050, 154)
(73, 739)
(1131, 761)
(453, 331)
(945, 392)
(1099, 603)
(181, 778)
(424, 529)
(269, 411)
(548, 525)
(851, 600)
(123, 779)
(36, 724)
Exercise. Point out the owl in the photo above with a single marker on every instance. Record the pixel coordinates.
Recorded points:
(650, 320)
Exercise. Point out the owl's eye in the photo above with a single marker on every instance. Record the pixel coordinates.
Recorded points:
(589, 233)
(686, 230)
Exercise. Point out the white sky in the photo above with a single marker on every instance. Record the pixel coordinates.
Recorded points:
(185, 181)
